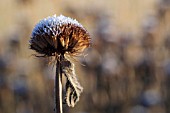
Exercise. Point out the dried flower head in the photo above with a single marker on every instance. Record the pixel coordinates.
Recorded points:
(59, 35)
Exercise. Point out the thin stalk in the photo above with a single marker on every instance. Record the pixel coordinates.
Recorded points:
(58, 88)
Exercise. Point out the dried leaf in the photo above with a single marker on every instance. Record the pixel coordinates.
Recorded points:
(73, 87)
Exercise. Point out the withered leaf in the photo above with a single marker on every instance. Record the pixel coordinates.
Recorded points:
(73, 87)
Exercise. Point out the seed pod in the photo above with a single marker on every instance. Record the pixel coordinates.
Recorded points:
(59, 35)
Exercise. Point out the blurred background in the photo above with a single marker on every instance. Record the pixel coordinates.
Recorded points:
(127, 69)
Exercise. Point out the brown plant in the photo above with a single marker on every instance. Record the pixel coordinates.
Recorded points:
(61, 37)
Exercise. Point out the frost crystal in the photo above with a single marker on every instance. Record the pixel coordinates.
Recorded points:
(51, 24)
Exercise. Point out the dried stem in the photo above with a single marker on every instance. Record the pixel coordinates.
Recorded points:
(58, 87)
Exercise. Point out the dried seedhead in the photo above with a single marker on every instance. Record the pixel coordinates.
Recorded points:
(62, 36)
(59, 35)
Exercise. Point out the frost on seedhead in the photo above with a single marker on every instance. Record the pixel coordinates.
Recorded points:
(58, 35)
(52, 23)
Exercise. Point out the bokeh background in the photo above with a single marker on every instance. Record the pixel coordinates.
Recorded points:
(127, 69)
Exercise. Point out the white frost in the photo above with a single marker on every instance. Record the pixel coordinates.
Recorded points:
(52, 23)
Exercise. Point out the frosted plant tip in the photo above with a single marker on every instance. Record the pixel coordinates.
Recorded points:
(57, 35)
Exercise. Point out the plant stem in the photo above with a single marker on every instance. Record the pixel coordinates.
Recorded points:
(58, 88)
